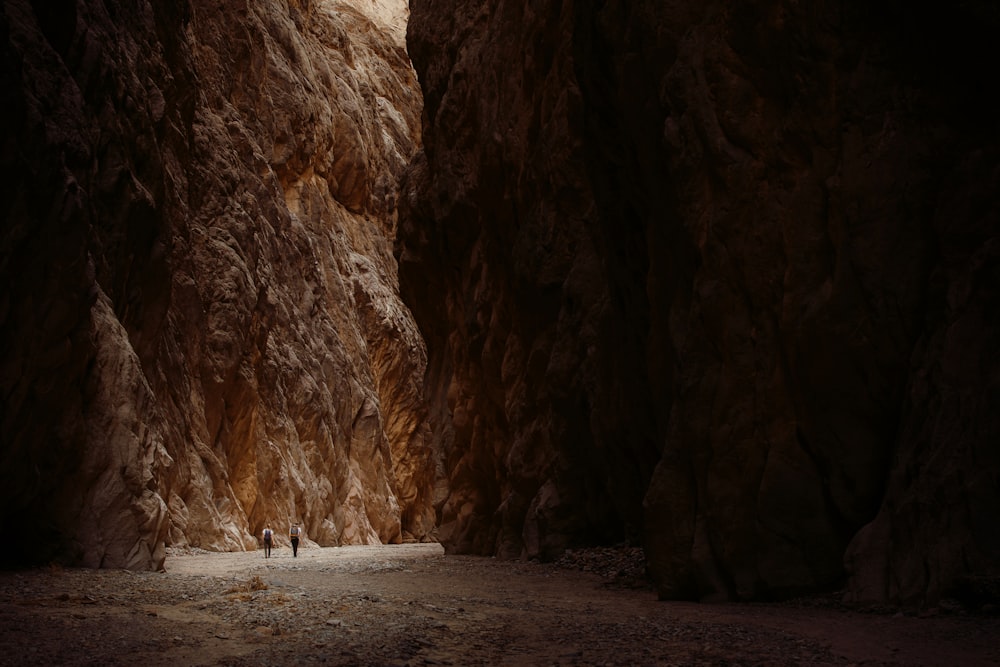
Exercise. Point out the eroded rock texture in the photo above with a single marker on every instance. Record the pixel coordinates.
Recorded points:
(201, 331)
(722, 275)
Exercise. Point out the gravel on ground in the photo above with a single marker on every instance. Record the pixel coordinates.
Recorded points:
(413, 605)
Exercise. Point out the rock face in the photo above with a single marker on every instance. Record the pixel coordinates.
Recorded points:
(199, 317)
(717, 276)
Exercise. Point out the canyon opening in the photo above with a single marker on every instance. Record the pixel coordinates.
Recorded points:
(716, 281)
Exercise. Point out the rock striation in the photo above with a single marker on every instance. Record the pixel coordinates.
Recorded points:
(717, 277)
(199, 309)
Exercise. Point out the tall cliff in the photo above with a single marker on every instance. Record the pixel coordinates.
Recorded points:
(716, 276)
(199, 317)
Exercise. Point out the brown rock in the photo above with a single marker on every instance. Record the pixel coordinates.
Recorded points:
(702, 272)
(714, 276)
(201, 326)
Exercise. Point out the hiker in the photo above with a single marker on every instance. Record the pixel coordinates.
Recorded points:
(268, 537)
(294, 534)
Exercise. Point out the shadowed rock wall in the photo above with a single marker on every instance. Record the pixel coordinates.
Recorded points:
(719, 275)
(716, 277)
(200, 327)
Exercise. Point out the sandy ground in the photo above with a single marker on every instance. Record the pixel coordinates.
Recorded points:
(412, 605)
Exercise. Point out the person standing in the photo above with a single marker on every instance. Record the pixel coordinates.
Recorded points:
(268, 539)
(294, 533)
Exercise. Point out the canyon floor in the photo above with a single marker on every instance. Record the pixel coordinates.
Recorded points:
(413, 605)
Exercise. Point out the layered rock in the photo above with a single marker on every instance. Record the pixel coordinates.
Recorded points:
(200, 323)
(717, 274)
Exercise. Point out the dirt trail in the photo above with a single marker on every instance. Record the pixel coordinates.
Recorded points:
(412, 605)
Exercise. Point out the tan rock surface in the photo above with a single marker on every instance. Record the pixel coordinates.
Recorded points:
(201, 326)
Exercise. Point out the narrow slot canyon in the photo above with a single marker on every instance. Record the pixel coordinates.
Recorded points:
(710, 288)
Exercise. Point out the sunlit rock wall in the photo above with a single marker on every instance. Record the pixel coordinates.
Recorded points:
(717, 276)
(199, 319)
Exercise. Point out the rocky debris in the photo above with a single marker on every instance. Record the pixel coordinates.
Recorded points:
(410, 605)
(619, 565)
(201, 331)
(714, 278)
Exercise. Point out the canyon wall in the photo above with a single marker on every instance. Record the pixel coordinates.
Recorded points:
(199, 317)
(716, 277)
